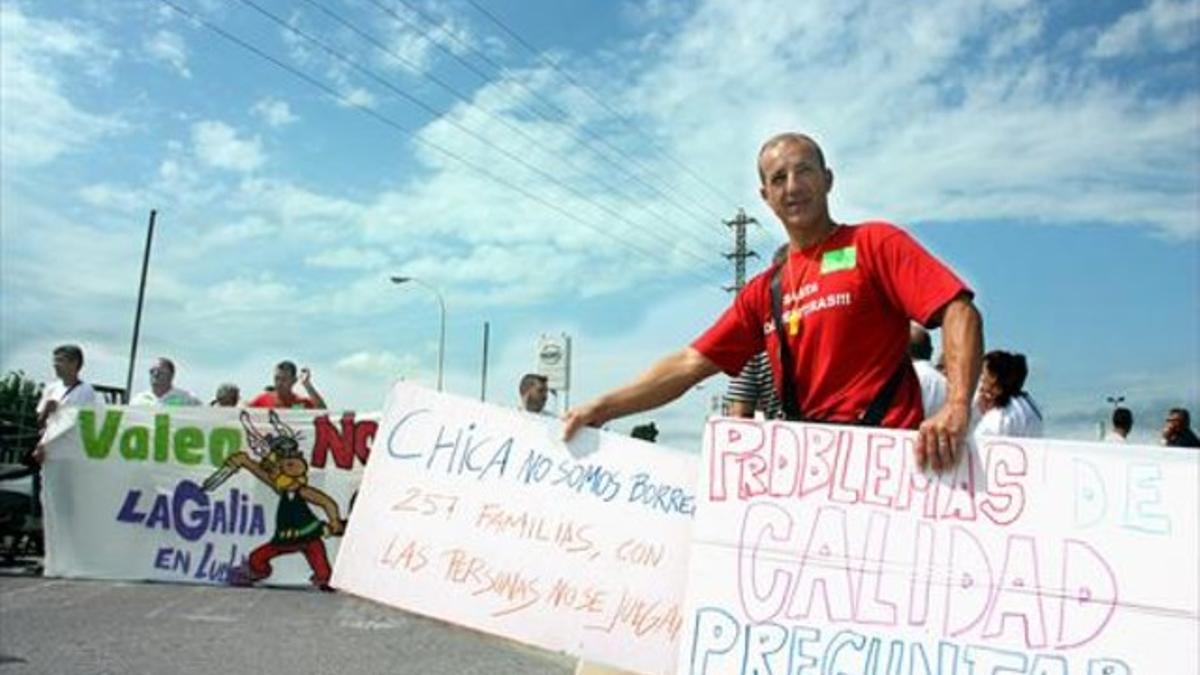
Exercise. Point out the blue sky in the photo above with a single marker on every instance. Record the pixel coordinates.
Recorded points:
(1050, 152)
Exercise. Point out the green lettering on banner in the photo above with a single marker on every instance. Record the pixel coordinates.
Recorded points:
(839, 259)
(162, 436)
(141, 443)
(187, 440)
(135, 443)
(98, 446)
(223, 442)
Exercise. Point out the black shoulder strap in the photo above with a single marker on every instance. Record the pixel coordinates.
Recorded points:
(787, 397)
(873, 415)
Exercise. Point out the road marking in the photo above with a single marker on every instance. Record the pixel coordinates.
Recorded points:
(157, 611)
(369, 624)
(209, 618)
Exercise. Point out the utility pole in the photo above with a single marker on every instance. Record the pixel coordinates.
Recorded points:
(137, 316)
(739, 253)
(483, 376)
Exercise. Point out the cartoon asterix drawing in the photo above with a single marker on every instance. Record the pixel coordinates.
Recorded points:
(279, 463)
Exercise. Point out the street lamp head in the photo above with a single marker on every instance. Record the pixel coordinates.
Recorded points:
(400, 280)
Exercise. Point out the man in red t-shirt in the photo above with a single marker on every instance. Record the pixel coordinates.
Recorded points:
(847, 294)
(283, 396)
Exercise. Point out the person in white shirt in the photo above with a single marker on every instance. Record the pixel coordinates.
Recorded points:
(1122, 423)
(69, 392)
(162, 387)
(1006, 409)
(933, 382)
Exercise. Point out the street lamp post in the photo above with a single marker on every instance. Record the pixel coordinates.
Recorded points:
(442, 331)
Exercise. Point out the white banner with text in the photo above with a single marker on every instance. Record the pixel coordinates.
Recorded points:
(200, 495)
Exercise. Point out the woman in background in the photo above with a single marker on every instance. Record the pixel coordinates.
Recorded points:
(1005, 408)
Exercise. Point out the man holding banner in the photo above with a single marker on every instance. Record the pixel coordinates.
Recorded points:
(843, 299)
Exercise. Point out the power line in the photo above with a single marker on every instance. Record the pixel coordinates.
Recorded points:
(704, 214)
(466, 100)
(437, 114)
(387, 121)
(710, 216)
(598, 100)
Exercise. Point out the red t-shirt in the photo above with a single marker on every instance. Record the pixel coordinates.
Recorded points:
(269, 399)
(846, 306)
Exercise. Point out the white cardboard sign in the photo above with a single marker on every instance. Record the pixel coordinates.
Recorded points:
(482, 517)
(820, 549)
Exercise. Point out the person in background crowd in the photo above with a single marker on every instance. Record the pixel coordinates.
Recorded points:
(227, 396)
(1006, 409)
(833, 319)
(754, 390)
(1177, 430)
(70, 390)
(162, 387)
(1122, 423)
(284, 395)
(534, 389)
(933, 382)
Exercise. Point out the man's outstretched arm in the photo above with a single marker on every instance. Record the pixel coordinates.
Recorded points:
(665, 381)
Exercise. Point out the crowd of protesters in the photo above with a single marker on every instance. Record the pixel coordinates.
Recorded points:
(70, 390)
(1002, 406)
(280, 394)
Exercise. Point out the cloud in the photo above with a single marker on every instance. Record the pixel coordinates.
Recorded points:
(38, 121)
(357, 96)
(945, 120)
(108, 196)
(238, 232)
(169, 48)
(242, 293)
(646, 13)
(1162, 25)
(274, 112)
(377, 363)
(407, 49)
(217, 144)
(347, 258)
(414, 38)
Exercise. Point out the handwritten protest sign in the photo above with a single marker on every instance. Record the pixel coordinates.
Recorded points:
(823, 550)
(151, 493)
(480, 516)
